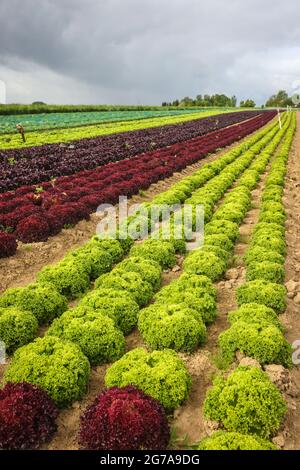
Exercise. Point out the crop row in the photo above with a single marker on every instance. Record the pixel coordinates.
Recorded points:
(34, 122)
(36, 164)
(256, 330)
(33, 214)
(258, 408)
(90, 326)
(37, 138)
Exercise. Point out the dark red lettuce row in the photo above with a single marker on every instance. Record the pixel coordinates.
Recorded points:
(36, 216)
(33, 165)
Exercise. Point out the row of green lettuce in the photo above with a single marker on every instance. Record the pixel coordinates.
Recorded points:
(255, 328)
(247, 402)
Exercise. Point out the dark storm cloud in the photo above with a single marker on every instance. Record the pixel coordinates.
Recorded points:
(147, 50)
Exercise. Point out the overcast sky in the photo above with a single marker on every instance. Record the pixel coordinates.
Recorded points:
(147, 51)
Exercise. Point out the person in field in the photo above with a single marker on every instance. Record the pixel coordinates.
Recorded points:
(21, 131)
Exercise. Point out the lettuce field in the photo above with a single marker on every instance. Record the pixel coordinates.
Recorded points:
(137, 340)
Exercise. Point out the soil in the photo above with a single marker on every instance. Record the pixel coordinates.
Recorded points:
(188, 421)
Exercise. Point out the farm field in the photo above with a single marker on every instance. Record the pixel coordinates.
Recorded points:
(140, 342)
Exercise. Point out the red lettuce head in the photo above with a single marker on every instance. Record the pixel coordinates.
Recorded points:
(27, 416)
(8, 244)
(124, 419)
(34, 228)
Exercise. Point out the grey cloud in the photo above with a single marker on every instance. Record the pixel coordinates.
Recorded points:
(130, 51)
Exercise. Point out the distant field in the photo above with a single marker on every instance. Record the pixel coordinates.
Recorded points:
(45, 121)
(36, 138)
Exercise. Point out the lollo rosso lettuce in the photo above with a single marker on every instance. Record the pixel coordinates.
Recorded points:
(42, 211)
(27, 417)
(124, 419)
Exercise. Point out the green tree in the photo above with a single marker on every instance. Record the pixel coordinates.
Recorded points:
(199, 100)
(281, 99)
(247, 104)
(187, 102)
(207, 101)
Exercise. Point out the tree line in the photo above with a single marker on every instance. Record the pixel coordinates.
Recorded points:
(280, 99)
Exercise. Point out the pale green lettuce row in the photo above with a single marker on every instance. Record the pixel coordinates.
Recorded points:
(140, 275)
(222, 231)
(247, 402)
(260, 338)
